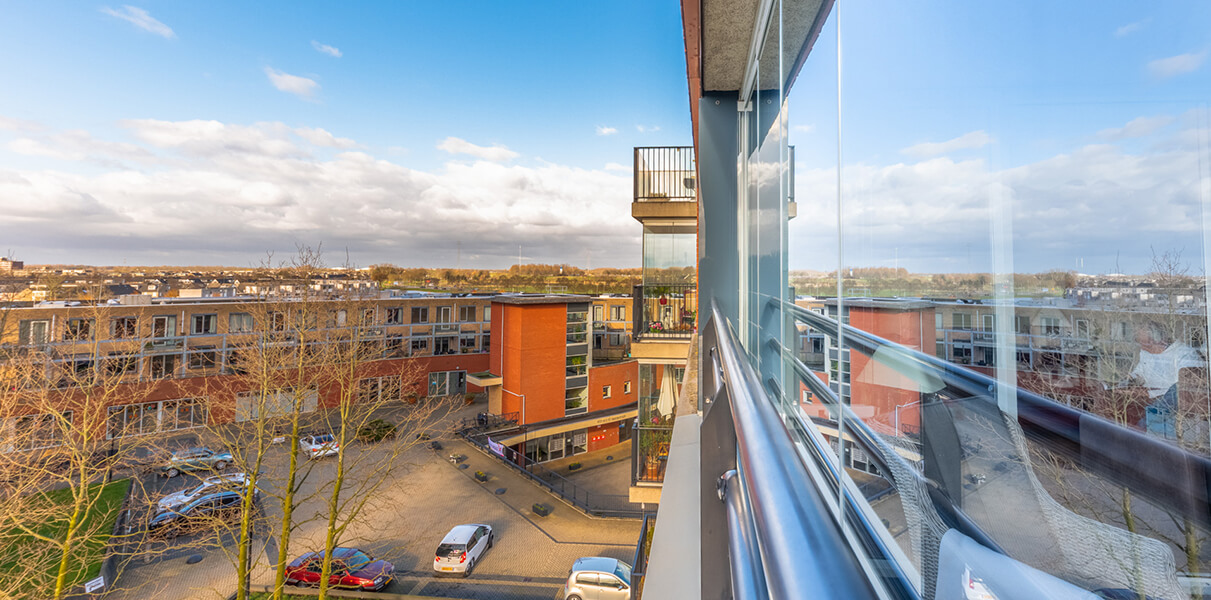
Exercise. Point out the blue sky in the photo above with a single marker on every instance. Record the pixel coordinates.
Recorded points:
(444, 134)
(544, 80)
(1084, 115)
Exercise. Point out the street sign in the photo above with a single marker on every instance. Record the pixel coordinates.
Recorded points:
(94, 585)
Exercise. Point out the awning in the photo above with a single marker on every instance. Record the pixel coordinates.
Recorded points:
(537, 430)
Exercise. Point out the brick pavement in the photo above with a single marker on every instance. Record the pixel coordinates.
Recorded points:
(425, 496)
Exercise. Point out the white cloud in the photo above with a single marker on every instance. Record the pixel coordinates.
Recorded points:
(640, 128)
(79, 145)
(804, 128)
(293, 84)
(603, 130)
(1138, 127)
(1090, 203)
(10, 124)
(320, 137)
(139, 18)
(226, 193)
(1130, 28)
(496, 153)
(613, 166)
(332, 51)
(967, 141)
(1177, 65)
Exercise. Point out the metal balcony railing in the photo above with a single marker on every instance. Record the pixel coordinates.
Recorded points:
(815, 487)
(664, 174)
(665, 311)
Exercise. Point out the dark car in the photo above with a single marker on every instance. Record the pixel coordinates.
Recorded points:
(351, 568)
(206, 506)
(195, 459)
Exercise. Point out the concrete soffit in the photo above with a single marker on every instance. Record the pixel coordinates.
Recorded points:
(727, 33)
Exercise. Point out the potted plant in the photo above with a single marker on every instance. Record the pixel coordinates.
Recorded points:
(540, 509)
(480, 476)
(574, 466)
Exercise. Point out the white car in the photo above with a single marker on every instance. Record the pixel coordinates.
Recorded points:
(598, 578)
(210, 485)
(319, 445)
(464, 546)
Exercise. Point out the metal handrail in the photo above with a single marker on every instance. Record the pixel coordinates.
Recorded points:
(802, 547)
(1109, 450)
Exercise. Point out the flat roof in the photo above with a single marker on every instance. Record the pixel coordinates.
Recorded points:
(541, 299)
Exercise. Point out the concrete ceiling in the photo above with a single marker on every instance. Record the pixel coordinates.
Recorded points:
(727, 30)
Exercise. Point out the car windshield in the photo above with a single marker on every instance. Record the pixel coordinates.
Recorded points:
(623, 571)
(450, 550)
(357, 560)
(323, 439)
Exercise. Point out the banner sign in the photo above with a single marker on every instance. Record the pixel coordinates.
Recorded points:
(496, 447)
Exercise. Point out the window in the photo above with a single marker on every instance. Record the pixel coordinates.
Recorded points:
(239, 323)
(487, 313)
(617, 339)
(447, 383)
(420, 314)
(78, 330)
(1050, 325)
(394, 345)
(368, 316)
(125, 327)
(618, 313)
(937, 320)
(598, 312)
(444, 345)
(31, 432)
(120, 364)
(374, 389)
(466, 344)
(395, 316)
(466, 314)
(962, 354)
(342, 318)
(33, 332)
(626, 387)
(277, 321)
(598, 341)
(151, 417)
(1120, 331)
(605, 391)
(163, 366)
(587, 579)
(1082, 328)
(961, 320)
(420, 345)
(445, 314)
(1021, 324)
(203, 357)
(203, 324)
(989, 322)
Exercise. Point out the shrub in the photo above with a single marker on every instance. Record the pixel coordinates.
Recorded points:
(540, 510)
(376, 430)
(481, 476)
(574, 466)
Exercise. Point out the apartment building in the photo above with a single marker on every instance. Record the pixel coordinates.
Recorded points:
(182, 359)
(611, 327)
(543, 376)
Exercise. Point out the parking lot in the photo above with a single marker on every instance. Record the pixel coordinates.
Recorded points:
(422, 498)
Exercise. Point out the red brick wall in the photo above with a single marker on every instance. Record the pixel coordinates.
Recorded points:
(613, 375)
(876, 389)
(603, 436)
(529, 349)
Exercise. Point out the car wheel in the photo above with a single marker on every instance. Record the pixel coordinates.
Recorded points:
(470, 567)
(572, 598)
(173, 472)
(490, 538)
(219, 466)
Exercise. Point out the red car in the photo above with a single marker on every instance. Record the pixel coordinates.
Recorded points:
(351, 568)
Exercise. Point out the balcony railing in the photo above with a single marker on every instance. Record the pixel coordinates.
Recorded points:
(664, 174)
(665, 311)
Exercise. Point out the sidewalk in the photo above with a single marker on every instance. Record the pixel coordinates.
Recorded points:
(565, 524)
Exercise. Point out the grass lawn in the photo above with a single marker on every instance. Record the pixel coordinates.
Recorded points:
(86, 560)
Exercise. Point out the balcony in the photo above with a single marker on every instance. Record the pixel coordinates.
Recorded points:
(665, 183)
(665, 312)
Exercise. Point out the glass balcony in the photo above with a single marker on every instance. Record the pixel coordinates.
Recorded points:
(665, 311)
(665, 174)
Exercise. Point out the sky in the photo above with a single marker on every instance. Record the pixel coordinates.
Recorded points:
(421, 134)
(976, 136)
(998, 136)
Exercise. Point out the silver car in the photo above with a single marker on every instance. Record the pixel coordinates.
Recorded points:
(597, 578)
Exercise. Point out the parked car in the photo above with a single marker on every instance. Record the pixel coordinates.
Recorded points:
(212, 505)
(351, 568)
(195, 459)
(462, 548)
(210, 485)
(598, 578)
(319, 445)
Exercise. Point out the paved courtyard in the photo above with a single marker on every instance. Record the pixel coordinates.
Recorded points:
(424, 496)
